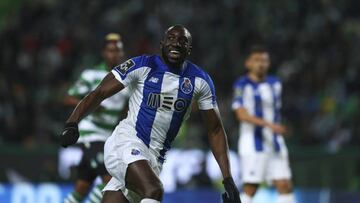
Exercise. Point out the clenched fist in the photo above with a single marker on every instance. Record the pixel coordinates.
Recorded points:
(70, 134)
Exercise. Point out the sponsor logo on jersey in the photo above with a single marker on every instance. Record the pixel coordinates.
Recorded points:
(124, 67)
(167, 102)
(186, 86)
(135, 152)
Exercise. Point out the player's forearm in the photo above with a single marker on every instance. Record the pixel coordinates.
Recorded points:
(86, 106)
(219, 147)
(252, 119)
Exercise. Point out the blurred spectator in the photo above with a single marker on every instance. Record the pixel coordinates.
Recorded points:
(45, 44)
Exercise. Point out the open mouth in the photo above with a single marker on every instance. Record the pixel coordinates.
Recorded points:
(174, 54)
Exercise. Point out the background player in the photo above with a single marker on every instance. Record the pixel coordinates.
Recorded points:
(262, 148)
(97, 127)
(164, 88)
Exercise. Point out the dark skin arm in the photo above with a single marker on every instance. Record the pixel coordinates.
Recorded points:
(217, 139)
(73, 101)
(108, 87)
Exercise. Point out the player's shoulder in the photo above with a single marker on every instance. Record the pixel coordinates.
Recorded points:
(273, 79)
(197, 71)
(148, 61)
(241, 81)
(133, 64)
(204, 81)
(139, 61)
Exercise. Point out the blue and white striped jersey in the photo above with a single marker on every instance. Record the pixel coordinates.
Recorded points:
(162, 98)
(262, 100)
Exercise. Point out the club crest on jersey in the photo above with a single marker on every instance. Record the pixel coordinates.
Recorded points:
(186, 86)
(124, 67)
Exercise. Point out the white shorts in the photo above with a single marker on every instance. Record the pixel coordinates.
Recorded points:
(260, 167)
(120, 150)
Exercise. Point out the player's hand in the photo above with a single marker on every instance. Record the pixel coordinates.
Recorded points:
(231, 194)
(70, 134)
(278, 129)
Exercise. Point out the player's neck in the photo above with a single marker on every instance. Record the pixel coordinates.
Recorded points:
(256, 78)
(176, 67)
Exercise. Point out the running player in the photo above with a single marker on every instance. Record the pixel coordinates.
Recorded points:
(164, 87)
(98, 126)
(262, 148)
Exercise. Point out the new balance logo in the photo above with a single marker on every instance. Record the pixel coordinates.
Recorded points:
(154, 80)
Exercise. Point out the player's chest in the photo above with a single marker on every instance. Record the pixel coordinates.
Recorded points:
(170, 84)
(262, 94)
(168, 91)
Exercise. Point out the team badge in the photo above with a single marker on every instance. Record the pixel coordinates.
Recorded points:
(124, 67)
(135, 152)
(186, 86)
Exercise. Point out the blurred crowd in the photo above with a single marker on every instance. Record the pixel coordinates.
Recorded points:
(44, 44)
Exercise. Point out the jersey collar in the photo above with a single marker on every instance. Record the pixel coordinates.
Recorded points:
(254, 82)
(167, 68)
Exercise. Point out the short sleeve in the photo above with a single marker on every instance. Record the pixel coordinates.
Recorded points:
(237, 96)
(129, 71)
(81, 87)
(206, 95)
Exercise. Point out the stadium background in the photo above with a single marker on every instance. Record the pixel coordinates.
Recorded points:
(44, 44)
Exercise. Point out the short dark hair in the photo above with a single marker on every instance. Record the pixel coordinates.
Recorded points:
(258, 48)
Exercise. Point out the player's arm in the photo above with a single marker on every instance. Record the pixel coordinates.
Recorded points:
(120, 77)
(243, 115)
(216, 136)
(217, 139)
(108, 87)
(219, 147)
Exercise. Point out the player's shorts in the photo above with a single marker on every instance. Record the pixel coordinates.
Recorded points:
(92, 161)
(260, 167)
(120, 151)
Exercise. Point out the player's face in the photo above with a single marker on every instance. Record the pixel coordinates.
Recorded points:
(113, 53)
(176, 46)
(258, 63)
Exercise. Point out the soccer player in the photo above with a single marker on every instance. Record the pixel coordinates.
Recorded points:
(164, 87)
(98, 126)
(263, 153)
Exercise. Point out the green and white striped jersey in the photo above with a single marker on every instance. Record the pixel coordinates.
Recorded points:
(99, 125)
